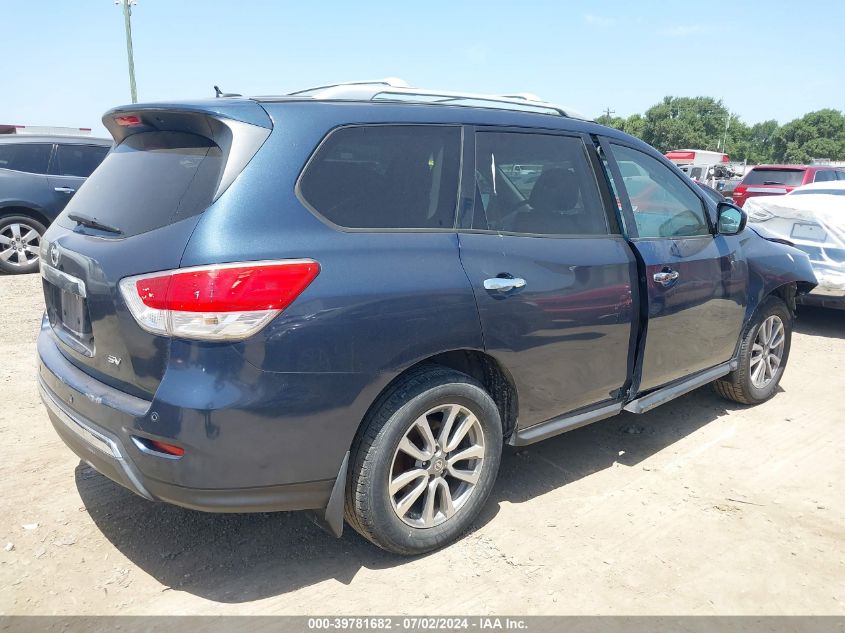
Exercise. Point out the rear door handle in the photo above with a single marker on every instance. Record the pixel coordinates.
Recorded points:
(666, 277)
(65, 190)
(503, 283)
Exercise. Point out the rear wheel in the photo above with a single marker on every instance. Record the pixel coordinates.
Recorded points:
(762, 356)
(20, 241)
(425, 463)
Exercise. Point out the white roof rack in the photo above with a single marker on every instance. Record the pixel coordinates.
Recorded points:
(394, 89)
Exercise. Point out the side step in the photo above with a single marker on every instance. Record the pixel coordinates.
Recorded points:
(656, 398)
(556, 426)
(570, 421)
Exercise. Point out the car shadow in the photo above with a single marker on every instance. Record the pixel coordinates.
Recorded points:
(815, 321)
(233, 558)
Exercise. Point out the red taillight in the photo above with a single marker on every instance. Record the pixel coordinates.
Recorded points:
(222, 302)
(163, 447)
(270, 287)
(128, 120)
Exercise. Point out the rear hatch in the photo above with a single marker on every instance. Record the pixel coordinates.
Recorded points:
(134, 215)
(768, 181)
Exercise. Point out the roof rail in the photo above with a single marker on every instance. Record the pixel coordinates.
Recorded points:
(394, 89)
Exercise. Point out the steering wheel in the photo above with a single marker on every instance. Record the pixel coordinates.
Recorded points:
(519, 205)
(674, 226)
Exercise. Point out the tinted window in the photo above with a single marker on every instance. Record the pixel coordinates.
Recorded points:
(29, 157)
(789, 177)
(77, 160)
(535, 183)
(663, 204)
(150, 180)
(826, 175)
(386, 176)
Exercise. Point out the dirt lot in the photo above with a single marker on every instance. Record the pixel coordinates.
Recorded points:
(697, 507)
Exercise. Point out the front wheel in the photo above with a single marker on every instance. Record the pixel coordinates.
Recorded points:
(424, 463)
(20, 241)
(763, 353)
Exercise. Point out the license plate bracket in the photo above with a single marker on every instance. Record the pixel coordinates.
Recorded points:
(74, 316)
(68, 314)
(808, 231)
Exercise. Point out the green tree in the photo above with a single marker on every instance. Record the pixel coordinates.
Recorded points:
(616, 122)
(681, 122)
(700, 123)
(633, 125)
(819, 134)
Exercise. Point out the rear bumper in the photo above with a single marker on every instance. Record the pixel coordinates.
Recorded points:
(106, 453)
(234, 461)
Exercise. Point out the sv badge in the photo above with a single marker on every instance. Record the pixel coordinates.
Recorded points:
(114, 360)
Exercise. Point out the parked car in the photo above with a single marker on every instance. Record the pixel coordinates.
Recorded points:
(812, 218)
(777, 180)
(339, 301)
(38, 176)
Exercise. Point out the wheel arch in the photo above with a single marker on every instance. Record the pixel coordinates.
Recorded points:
(479, 365)
(30, 212)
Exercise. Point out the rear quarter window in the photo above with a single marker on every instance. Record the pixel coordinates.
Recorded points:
(385, 177)
(825, 175)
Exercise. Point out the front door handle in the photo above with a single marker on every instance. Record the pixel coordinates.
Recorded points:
(666, 277)
(503, 283)
(67, 190)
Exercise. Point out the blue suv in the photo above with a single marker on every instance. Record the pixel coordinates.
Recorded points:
(38, 176)
(347, 300)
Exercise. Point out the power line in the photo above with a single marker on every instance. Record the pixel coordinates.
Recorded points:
(608, 112)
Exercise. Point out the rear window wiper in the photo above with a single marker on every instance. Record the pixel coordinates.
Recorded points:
(773, 182)
(93, 223)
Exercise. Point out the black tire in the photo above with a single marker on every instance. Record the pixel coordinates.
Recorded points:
(369, 507)
(15, 262)
(738, 385)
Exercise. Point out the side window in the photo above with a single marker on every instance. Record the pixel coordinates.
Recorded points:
(825, 175)
(535, 183)
(663, 204)
(28, 157)
(386, 176)
(78, 160)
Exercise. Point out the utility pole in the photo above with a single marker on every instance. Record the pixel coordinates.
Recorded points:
(127, 19)
(608, 112)
(727, 125)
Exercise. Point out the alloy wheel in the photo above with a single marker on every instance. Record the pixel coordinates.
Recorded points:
(19, 244)
(436, 466)
(767, 351)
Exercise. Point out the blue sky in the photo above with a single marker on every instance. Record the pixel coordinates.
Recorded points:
(64, 61)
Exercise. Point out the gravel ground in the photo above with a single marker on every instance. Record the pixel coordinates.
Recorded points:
(698, 507)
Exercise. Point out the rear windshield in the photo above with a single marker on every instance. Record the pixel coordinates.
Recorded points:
(150, 180)
(789, 177)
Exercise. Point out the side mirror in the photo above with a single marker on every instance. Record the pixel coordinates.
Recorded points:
(732, 219)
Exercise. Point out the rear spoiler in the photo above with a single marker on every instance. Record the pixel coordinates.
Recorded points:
(239, 128)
